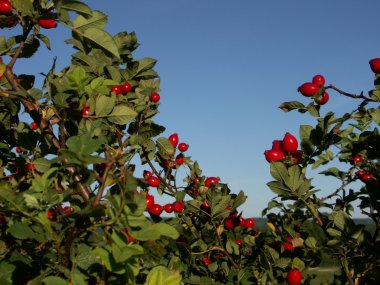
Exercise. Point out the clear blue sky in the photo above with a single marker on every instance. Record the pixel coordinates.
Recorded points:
(225, 67)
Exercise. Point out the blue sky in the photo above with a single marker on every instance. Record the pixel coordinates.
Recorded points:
(226, 66)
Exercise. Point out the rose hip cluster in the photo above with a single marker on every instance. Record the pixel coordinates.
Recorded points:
(285, 148)
(157, 209)
(315, 89)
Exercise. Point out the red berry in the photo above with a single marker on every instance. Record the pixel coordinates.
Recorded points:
(297, 157)
(238, 242)
(360, 173)
(179, 159)
(154, 97)
(211, 181)
(126, 87)
(274, 155)
(324, 99)
(168, 208)
(147, 174)
(67, 210)
(5, 7)
(241, 221)
(117, 90)
(366, 177)
(155, 209)
(308, 89)
(249, 223)
(34, 126)
(206, 260)
(149, 200)
(231, 223)
(288, 245)
(289, 143)
(85, 111)
(277, 144)
(358, 159)
(375, 65)
(183, 147)
(3, 221)
(153, 181)
(178, 207)
(294, 277)
(130, 238)
(18, 150)
(319, 80)
(174, 139)
(47, 23)
(52, 215)
(30, 167)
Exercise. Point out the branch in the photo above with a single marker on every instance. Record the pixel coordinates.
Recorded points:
(355, 96)
(336, 191)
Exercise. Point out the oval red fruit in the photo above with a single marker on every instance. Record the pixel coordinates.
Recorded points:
(324, 99)
(274, 155)
(206, 260)
(179, 159)
(308, 89)
(149, 200)
(117, 89)
(375, 65)
(34, 126)
(294, 277)
(52, 215)
(126, 87)
(211, 181)
(154, 97)
(147, 174)
(358, 159)
(183, 147)
(155, 209)
(5, 7)
(319, 80)
(249, 223)
(47, 23)
(153, 181)
(288, 244)
(178, 206)
(289, 143)
(85, 111)
(174, 139)
(168, 208)
(277, 144)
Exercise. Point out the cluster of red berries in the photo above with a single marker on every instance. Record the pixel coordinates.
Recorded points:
(364, 176)
(316, 86)
(157, 209)
(283, 148)
(122, 89)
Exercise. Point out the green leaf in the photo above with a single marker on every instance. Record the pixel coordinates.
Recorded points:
(77, 6)
(42, 164)
(375, 115)
(6, 272)
(289, 106)
(102, 39)
(24, 7)
(122, 115)
(45, 40)
(54, 280)
(160, 275)
(298, 263)
(165, 148)
(145, 64)
(85, 257)
(305, 131)
(282, 262)
(109, 261)
(98, 20)
(277, 187)
(83, 144)
(311, 242)
(294, 180)
(278, 171)
(156, 231)
(21, 231)
(333, 232)
(104, 105)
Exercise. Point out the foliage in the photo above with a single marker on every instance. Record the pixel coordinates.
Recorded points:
(74, 210)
